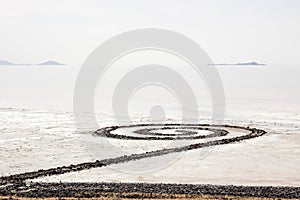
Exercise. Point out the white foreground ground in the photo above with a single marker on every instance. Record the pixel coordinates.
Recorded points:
(32, 140)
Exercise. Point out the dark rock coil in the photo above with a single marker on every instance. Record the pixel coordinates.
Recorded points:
(15, 185)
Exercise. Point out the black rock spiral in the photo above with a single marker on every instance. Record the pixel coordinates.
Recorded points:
(107, 132)
(15, 184)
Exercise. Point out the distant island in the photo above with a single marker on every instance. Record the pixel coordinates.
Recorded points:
(250, 63)
(50, 62)
(5, 62)
(243, 64)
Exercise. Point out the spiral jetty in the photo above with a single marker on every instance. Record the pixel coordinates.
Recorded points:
(20, 186)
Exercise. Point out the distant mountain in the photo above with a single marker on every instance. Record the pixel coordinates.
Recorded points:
(246, 63)
(51, 62)
(5, 62)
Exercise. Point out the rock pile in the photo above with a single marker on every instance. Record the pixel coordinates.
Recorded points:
(142, 190)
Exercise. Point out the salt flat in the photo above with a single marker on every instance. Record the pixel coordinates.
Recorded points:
(45, 135)
(35, 139)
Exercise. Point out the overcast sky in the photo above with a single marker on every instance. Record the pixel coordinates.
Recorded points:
(266, 31)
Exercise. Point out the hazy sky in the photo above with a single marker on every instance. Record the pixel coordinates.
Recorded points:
(266, 31)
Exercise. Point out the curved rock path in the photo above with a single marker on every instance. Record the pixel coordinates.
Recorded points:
(17, 184)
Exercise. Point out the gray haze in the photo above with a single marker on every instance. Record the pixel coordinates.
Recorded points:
(229, 31)
(266, 31)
